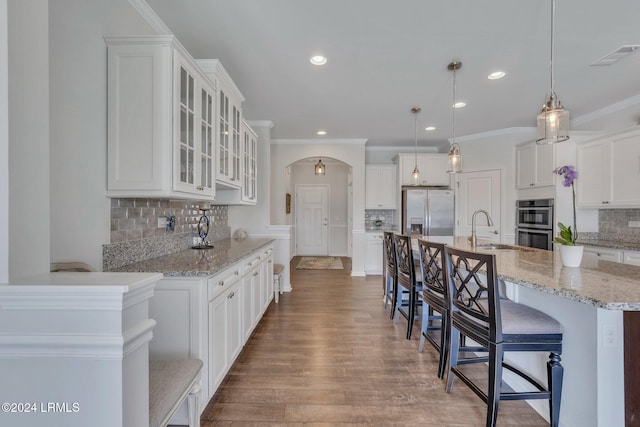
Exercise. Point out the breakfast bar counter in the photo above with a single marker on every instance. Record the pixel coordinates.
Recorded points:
(605, 284)
(598, 305)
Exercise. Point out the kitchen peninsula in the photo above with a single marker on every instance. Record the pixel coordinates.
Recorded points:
(207, 304)
(597, 304)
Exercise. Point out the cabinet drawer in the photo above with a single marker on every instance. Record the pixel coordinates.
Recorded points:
(218, 283)
(250, 262)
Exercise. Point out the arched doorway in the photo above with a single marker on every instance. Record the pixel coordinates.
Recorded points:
(320, 207)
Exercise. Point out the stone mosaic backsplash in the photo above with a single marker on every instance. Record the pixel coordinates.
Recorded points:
(613, 224)
(387, 216)
(135, 235)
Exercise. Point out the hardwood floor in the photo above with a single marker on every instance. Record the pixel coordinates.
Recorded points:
(328, 355)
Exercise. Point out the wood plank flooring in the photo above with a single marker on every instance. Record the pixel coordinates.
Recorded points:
(328, 355)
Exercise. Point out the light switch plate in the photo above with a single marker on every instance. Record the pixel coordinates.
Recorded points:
(162, 222)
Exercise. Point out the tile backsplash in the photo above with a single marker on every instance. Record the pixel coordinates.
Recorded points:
(387, 216)
(135, 235)
(613, 224)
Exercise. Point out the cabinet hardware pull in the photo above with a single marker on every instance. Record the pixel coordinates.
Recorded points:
(199, 187)
(255, 274)
(231, 295)
(221, 283)
(236, 272)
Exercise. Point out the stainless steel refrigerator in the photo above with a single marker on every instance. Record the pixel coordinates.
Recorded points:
(427, 212)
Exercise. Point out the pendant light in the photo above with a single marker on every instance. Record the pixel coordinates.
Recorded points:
(415, 175)
(455, 158)
(553, 120)
(320, 168)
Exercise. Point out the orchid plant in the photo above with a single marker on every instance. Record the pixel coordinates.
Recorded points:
(567, 235)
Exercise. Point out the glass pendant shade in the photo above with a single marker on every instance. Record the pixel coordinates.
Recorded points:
(415, 175)
(553, 122)
(455, 159)
(320, 168)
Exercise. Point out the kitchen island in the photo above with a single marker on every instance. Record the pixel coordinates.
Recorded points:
(598, 306)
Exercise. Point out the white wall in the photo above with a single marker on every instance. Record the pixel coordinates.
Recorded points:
(4, 145)
(336, 178)
(28, 34)
(351, 152)
(496, 150)
(79, 209)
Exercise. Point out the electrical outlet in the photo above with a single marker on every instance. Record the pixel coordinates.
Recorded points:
(634, 224)
(162, 222)
(609, 335)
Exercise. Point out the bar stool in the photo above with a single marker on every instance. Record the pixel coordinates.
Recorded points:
(407, 279)
(435, 298)
(501, 326)
(277, 273)
(390, 276)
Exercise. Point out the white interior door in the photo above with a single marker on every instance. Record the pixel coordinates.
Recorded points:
(312, 207)
(478, 190)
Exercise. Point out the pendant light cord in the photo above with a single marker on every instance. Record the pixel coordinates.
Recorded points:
(415, 127)
(453, 110)
(553, 14)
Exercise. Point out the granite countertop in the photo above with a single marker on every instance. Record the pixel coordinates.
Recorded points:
(613, 244)
(198, 262)
(604, 284)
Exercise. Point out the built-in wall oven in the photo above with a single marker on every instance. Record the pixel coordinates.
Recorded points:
(534, 223)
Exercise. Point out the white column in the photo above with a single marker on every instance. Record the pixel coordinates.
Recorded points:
(74, 349)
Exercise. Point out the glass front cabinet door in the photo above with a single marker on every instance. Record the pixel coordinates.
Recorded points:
(193, 131)
(249, 163)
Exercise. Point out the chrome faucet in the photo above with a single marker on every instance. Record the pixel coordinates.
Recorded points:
(474, 238)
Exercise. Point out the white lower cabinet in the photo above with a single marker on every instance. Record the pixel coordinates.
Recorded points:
(630, 257)
(211, 318)
(594, 253)
(373, 254)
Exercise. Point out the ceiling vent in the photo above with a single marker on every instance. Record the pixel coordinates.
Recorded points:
(617, 55)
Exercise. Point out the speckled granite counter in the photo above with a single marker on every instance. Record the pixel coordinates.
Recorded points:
(198, 262)
(613, 244)
(604, 284)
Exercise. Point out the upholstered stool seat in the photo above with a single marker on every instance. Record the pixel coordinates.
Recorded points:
(499, 326)
(170, 383)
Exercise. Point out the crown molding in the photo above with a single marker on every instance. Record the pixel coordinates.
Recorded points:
(260, 123)
(605, 111)
(148, 14)
(354, 141)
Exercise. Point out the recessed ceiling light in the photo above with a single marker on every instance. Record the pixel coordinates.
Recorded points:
(430, 128)
(322, 132)
(496, 75)
(318, 60)
(459, 104)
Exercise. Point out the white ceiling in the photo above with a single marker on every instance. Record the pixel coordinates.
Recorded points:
(385, 56)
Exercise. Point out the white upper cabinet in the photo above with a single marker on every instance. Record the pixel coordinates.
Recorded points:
(609, 171)
(432, 167)
(161, 121)
(249, 163)
(534, 165)
(381, 190)
(230, 134)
